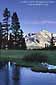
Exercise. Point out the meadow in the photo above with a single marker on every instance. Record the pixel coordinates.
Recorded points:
(18, 55)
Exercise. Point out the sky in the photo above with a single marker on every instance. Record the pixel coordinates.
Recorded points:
(34, 15)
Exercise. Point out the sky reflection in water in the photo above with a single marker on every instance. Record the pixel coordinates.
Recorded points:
(12, 75)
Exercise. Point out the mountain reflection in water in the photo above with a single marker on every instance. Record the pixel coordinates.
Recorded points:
(10, 74)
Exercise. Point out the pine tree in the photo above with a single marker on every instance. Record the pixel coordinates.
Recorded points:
(51, 42)
(0, 35)
(15, 29)
(22, 41)
(10, 43)
(17, 32)
(5, 28)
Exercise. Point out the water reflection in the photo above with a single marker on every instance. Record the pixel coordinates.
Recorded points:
(2, 64)
(16, 75)
(10, 74)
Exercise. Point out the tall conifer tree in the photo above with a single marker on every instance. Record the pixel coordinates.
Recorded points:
(17, 32)
(5, 27)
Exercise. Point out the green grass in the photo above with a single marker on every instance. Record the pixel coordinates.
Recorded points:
(17, 55)
(39, 69)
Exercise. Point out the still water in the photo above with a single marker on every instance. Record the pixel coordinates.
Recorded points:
(12, 75)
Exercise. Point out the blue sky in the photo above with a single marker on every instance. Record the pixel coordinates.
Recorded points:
(34, 15)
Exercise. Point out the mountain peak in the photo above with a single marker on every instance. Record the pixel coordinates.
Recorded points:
(38, 40)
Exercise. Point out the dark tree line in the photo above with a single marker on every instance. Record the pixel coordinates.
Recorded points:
(11, 36)
(52, 43)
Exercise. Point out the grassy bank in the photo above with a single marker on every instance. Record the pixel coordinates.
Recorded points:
(17, 55)
(44, 70)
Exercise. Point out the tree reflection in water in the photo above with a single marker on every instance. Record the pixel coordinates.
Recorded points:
(16, 75)
(2, 64)
(4, 77)
(7, 74)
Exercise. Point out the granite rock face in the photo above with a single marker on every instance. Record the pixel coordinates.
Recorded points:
(39, 40)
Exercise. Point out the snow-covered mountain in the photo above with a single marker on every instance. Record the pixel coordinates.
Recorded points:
(39, 39)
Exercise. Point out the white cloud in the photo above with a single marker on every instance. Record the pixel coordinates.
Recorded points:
(37, 3)
(40, 22)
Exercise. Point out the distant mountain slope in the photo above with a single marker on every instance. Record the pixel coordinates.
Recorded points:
(38, 40)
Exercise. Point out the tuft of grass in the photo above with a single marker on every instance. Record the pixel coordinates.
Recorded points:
(39, 69)
(42, 69)
(52, 70)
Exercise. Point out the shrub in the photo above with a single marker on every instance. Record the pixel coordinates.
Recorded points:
(35, 57)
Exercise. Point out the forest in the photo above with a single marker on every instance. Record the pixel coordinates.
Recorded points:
(11, 36)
